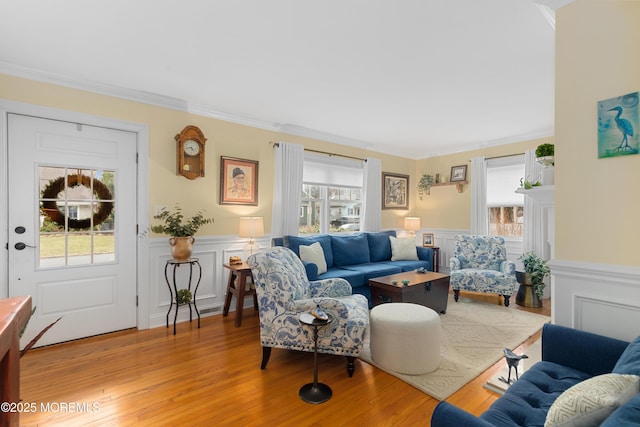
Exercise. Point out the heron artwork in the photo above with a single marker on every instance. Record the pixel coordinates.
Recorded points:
(625, 127)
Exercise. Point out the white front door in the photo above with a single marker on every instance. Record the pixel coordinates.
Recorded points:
(72, 226)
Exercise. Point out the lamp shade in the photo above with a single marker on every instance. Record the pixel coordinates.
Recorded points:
(251, 226)
(412, 223)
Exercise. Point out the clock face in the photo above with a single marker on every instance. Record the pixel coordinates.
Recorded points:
(191, 148)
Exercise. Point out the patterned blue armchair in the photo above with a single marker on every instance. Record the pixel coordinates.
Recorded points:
(284, 292)
(479, 264)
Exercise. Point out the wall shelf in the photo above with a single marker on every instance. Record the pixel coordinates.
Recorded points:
(459, 185)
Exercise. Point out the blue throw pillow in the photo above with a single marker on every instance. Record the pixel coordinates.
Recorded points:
(629, 362)
(294, 242)
(379, 245)
(350, 250)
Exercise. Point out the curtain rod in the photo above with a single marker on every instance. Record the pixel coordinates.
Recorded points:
(275, 144)
(500, 157)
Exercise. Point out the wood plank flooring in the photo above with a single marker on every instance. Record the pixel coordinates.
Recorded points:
(211, 376)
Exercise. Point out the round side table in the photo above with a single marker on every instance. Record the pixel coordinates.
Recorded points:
(315, 392)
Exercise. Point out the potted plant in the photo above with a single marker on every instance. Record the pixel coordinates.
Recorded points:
(180, 229)
(424, 185)
(545, 154)
(535, 271)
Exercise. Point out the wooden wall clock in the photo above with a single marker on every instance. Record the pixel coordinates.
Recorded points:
(190, 152)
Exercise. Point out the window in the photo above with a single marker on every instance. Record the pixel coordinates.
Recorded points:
(505, 206)
(331, 195)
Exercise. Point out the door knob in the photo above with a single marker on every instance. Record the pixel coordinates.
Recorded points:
(20, 246)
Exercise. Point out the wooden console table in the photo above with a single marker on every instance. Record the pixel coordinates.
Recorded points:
(14, 314)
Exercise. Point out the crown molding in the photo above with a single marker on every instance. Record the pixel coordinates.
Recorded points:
(207, 111)
(554, 4)
(173, 104)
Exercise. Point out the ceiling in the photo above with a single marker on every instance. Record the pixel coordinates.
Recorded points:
(414, 78)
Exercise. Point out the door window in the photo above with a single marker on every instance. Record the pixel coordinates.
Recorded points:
(77, 216)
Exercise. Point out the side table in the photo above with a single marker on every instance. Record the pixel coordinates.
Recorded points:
(237, 285)
(436, 259)
(174, 290)
(315, 392)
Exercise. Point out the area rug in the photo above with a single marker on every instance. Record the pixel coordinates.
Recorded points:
(474, 335)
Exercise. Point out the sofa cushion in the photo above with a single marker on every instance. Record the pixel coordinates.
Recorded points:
(355, 278)
(294, 242)
(629, 361)
(380, 246)
(314, 254)
(350, 250)
(590, 402)
(403, 249)
(374, 269)
(527, 401)
(410, 265)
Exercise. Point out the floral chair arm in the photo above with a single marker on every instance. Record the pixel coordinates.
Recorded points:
(454, 263)
(336, 287)
(508, 267)
(331, 305)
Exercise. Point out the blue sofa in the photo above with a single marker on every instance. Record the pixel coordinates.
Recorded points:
(357, 257)
(569, 357)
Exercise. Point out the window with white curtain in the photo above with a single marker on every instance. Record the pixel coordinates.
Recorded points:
(331, 195)
(505, 206)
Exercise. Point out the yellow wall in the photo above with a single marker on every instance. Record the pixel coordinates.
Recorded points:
(445, 208)
(597, 203)
(224, 139)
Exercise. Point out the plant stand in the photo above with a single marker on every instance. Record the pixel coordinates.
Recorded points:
(526, 296)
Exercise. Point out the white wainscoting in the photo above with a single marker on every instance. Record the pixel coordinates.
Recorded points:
(598, 298)
(212, 253)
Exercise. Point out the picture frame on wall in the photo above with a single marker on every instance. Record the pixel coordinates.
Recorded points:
(395, 191)
(458, 173)
(427, 240)
(238, 181)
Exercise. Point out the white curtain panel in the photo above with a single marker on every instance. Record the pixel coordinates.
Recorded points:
(289, 162)
(532, 239)
(479, 215)
(372, 197)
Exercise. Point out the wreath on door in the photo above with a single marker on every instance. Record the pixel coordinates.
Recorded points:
(56, 186)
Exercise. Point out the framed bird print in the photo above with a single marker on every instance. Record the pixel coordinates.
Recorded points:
(618, 126)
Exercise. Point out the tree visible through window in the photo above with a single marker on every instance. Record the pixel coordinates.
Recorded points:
(330, 209)
(506, 207)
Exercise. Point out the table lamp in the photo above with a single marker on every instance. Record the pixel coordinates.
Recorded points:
(412, 224)
(251, 227)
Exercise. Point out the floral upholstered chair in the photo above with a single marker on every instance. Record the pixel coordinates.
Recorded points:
(479, 264)
(284, 292)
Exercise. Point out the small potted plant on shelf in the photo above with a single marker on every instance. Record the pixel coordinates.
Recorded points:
(180, 229)
(424, 185)
(545, 154)
(535, 271)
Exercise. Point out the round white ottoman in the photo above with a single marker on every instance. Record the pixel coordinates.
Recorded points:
(405, 337)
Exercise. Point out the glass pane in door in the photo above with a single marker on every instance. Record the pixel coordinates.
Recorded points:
(77, 216)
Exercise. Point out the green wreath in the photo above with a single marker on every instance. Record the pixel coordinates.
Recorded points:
(56, 186)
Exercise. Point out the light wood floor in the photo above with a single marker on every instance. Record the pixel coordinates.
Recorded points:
(211, 376)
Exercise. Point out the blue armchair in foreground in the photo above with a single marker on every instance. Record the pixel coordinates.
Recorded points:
(284, 292)
(479, 264)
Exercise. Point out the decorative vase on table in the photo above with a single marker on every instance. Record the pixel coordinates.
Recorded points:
(526, 296)
(181, 247)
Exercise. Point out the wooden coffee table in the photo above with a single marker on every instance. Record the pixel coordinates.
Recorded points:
(429, 289)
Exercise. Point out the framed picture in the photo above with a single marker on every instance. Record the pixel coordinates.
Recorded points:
(238, 181)
(395, 194)
(427, 240)
(458, 173)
